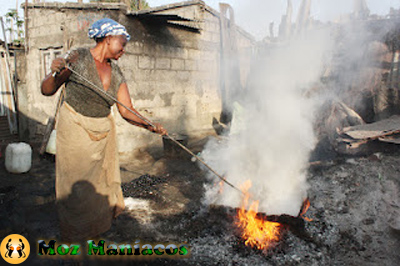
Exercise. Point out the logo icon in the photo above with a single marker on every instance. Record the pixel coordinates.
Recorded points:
(14, 249)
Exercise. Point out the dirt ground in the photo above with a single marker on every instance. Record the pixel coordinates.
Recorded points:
(355, 207)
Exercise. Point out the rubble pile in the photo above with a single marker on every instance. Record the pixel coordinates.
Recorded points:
(351, 210)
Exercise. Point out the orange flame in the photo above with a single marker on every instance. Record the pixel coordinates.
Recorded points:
(304, 208)
(221, 187)
(256, 232)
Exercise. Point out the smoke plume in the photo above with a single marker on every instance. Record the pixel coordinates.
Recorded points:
(272, 145)
(273, 127)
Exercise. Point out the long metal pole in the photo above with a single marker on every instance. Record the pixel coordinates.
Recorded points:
(151, 124)
(26, 20)
(13, 122)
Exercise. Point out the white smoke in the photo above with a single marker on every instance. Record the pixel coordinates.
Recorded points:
(273, 147)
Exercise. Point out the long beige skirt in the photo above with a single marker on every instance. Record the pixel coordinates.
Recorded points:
(88, 182)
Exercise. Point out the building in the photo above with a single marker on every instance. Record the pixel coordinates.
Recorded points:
(172, 64)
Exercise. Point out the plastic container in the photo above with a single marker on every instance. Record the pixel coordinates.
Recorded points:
(18, 158)
(51, 144)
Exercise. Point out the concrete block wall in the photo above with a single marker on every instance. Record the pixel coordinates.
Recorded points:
(172, 73)
(50, 25)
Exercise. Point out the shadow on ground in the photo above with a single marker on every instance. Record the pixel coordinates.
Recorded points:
(354, 207)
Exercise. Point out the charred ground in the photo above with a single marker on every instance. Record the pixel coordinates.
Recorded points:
(354, 207)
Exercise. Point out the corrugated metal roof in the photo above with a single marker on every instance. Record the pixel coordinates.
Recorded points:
(193, 26)
(153, 15)
(165, 7)
(162, 17)
(172, 19)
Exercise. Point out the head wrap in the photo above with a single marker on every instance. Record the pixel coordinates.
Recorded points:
(105, 27)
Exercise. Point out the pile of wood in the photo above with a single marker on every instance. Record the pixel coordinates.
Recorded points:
(366, 137)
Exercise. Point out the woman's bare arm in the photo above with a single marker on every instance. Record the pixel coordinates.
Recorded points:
(125, 99)
(51, 83)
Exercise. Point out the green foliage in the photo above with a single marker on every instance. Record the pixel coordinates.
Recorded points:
(134, 4)
(14, 25)
(106, 1)
(139, 5)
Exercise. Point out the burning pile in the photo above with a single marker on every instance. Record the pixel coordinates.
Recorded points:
(261, 231)
(257, 232)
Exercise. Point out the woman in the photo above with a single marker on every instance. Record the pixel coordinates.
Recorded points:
(88, 180)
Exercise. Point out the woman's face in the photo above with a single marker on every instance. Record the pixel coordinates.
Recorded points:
(116, 46)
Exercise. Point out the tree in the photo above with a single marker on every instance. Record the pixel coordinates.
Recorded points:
(139, 4)
(134, 4)
(14, 25)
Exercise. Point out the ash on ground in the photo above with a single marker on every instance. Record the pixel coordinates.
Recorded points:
(355, 212)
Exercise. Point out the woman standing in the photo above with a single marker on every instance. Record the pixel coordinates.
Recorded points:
(88, 183)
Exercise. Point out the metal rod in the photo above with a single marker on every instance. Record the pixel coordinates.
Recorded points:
(204, 163)
(26, 22)
(13, 118)
(151, 124)
(112, 98)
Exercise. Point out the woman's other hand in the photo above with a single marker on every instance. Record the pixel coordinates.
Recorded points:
(57, 65)
(159, 129)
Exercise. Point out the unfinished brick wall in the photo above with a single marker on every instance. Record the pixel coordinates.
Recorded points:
(172, 72)
(50, 27)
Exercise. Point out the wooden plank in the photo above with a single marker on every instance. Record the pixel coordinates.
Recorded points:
(395, 139)
(374, 130)
(8, 95)
(3, 92)
(12, 105)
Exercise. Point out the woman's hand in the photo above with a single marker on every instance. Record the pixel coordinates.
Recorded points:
(58, 76)
(158, 128)
(57, 65)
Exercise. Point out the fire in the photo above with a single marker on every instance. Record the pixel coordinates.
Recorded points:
(304, 208)
(221, 187)
(256, 232)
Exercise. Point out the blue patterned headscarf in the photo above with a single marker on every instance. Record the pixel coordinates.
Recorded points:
(105, 27)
